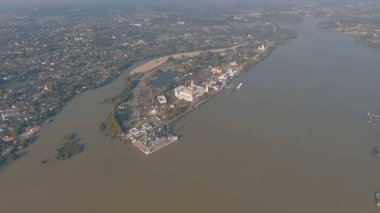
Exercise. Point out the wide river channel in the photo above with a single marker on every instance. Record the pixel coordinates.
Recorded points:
(293, 139)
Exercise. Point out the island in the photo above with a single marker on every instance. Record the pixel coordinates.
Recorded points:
(162, 90)
(70, 147)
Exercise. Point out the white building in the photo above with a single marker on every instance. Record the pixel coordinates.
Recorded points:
(222, 78)
(216, 70)
(135, 132)
(262, 48)
(189, 93)
(232, 72)
(146, 127)
(161, 99)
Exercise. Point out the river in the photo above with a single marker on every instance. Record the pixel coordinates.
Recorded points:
(293, 139)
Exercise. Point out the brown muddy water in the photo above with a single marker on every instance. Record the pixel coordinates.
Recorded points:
(293, 139)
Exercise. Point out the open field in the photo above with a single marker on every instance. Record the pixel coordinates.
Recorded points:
(152, 64)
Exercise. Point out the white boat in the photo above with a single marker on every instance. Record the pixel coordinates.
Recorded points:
(238, 86)
(377, 198)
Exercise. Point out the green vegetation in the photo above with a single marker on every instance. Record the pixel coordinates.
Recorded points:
(70, 147)
(170, 59)
(125, 94)
(208, 58)
(11, 157)
(177, 110)
(170, 85)
(111, 127)
(102, 126)
(45, 161)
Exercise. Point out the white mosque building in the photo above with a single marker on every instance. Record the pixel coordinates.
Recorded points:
(191, 92)
(261, 48)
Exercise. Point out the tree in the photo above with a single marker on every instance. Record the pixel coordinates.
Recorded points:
(102, 126)
(170, 59)
(69, 148)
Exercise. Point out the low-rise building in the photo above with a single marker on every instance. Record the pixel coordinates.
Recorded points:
(161, 99)
(135, 132)
(222, 78)
(146, 127)
(216, 70)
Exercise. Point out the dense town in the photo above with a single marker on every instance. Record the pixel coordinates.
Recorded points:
(359, 21)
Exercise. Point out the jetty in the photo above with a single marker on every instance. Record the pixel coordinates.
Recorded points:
(149, 139)
(373, 118)
(375, 152)
(154, 145)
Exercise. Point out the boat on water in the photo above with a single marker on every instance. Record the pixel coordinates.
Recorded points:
(377, 198)
(373, 119)
(375, 152)
(238, 86)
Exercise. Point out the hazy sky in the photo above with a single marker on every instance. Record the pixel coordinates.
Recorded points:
(55, 2)
(42, 1)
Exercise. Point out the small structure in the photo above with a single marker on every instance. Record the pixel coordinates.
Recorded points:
(375, 151)
(46, 88)
(162, 99)
(153, 111)
(232, 72)
(146, 127)
(8, 139)
(373, 118)
(216, 70)
(135, 132)
(222, 78)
